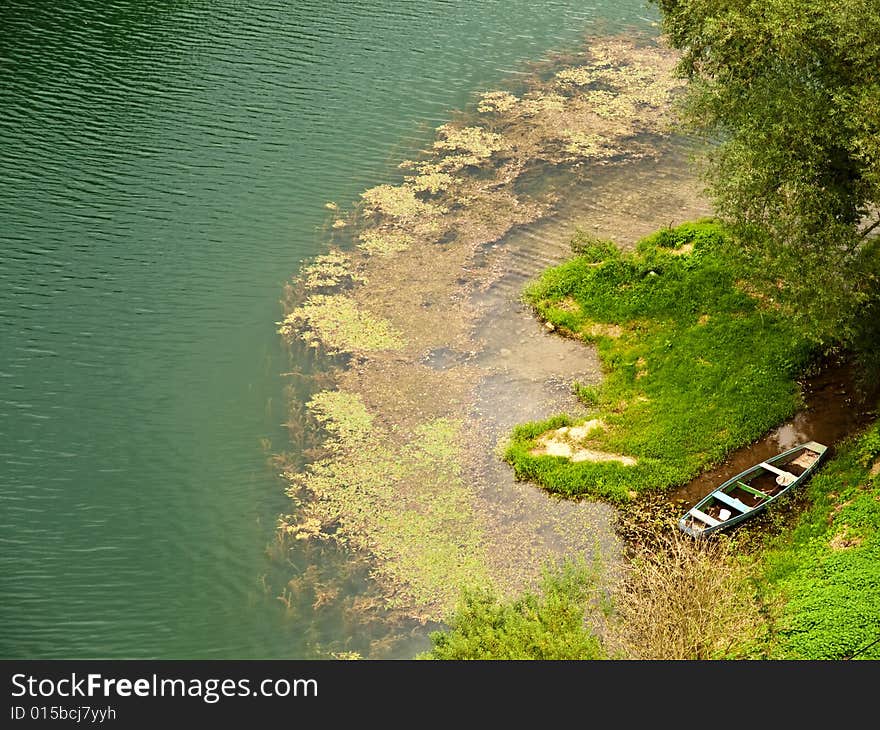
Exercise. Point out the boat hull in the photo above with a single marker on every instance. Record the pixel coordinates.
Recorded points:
(753, 490)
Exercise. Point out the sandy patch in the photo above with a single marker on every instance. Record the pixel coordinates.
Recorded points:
(568, 442)
(600, 329)
(682, 250)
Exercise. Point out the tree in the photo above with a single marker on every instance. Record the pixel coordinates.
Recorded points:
(788, 93)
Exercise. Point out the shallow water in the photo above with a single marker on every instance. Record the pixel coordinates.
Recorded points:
(163, 170)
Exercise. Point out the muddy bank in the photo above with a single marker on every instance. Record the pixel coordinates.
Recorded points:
(441, 360)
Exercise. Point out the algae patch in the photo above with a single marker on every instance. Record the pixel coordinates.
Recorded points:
(389, 479)
(336, 323)
(398, 496)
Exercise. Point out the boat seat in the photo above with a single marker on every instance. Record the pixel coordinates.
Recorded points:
(731, 501)
(756, 492)
(703, 517)
(770, 467)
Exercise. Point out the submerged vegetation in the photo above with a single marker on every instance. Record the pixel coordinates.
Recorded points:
(353, 493)
(695, 365)
(389, 479)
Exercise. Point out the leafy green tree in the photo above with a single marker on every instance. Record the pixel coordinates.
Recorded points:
(788, 92)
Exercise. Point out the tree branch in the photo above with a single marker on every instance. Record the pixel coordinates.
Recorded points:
(864, 234)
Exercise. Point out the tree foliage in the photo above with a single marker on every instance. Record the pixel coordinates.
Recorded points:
(789, 92)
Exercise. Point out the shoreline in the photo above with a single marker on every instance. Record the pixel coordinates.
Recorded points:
(443, 360)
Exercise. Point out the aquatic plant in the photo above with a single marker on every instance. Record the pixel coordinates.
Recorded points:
(398, 201)
(335, 323)
(384, 242)
(590, 146)
(431, 182)
(328, 271)
(576, 76)
(497, 102)
(477, 142)
(402, 499)
(609, 105)
(536, 103)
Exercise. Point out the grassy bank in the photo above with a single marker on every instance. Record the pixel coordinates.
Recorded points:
(825, 573)
(809, 591)
(695, 365)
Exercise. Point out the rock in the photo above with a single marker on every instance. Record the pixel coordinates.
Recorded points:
(549, 326)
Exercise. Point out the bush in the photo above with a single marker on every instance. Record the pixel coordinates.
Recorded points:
(549, 624)
(687, 599)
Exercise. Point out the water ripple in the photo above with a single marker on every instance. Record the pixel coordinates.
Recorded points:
(164, 168)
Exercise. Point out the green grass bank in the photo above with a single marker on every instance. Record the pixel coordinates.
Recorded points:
(825, 572)
(695, 364)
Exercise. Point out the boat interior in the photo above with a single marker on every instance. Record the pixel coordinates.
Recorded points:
(750, 490)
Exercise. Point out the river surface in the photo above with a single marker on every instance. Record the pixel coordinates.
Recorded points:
(163, 170)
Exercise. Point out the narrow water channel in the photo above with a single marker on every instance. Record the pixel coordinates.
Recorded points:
(837, 404)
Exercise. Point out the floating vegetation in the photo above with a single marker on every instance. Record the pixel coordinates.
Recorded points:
(609, 105)
(431, 182)
(343, 415)
(384, 242)
(497, 101)
(475, 142)
(335, 323)
(328, 271)
(576, 76)
(389, 479)
(398, 201)
(404, 501)
(580, 144)
(541, 103)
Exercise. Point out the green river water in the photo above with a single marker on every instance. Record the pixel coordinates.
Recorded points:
(163, 171)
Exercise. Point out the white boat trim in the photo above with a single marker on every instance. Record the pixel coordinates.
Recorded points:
(703, 517)
(770, 467)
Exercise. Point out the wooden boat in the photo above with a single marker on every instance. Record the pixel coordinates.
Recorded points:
(750, 492)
